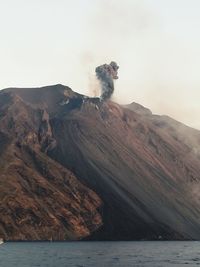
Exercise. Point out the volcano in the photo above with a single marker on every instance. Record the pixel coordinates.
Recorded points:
(73, 167)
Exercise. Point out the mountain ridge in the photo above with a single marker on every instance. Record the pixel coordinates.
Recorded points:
(140, 171)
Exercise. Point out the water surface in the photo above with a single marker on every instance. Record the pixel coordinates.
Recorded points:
(96, 254)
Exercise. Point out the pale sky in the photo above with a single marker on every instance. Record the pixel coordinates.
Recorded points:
(156, 43)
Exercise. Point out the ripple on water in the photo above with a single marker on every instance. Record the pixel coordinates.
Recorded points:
(100, 254)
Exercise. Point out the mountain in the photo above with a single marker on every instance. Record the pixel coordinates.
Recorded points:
(73, 167)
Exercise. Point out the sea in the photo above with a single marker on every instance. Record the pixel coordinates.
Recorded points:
(96, 254)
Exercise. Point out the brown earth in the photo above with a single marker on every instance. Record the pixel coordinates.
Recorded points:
(73, 167)
(39, 198)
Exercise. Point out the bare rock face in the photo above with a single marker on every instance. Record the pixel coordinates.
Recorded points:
(74, 167)
(40, 199)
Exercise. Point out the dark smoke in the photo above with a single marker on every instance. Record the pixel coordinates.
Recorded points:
(106, 74)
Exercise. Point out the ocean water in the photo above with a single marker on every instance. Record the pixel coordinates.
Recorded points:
(96, 254)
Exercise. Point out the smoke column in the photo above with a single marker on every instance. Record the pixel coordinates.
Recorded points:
(106, 74)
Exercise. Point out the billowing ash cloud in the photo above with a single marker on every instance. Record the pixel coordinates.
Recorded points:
(106, 74)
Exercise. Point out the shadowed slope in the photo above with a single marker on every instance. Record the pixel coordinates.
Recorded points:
(144, 176)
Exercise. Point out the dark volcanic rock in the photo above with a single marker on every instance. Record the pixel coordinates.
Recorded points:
(40, 199)
(144, 169)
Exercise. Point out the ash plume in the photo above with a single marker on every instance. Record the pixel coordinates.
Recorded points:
(106, 73)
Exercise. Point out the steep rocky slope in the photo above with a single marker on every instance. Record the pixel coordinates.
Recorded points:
(39, 198)
(143, 168)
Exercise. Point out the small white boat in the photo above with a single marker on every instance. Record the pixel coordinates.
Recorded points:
(1, 241)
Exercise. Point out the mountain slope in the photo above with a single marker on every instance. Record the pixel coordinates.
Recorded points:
(143, 168)
(40, 199)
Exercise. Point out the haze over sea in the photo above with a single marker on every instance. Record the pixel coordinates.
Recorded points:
(104, 254)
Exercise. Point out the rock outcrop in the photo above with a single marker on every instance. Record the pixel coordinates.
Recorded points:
(39, 198)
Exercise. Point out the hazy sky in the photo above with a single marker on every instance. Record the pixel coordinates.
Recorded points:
(155, 42)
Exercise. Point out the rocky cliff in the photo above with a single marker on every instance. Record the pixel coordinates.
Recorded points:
(39, 198)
